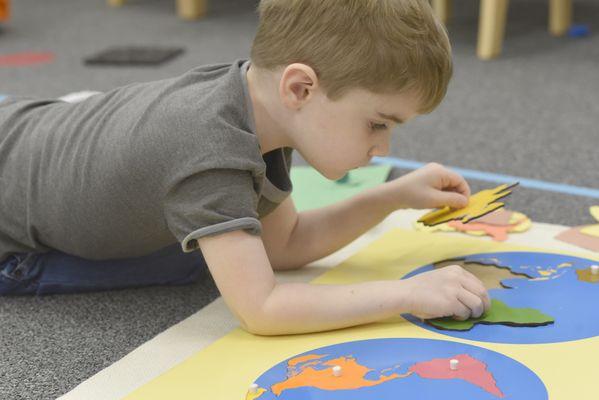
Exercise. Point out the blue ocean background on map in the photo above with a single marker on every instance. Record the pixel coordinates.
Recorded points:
(514, 379)
(570, 301)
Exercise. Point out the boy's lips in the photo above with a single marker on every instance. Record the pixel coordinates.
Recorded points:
(363, 164)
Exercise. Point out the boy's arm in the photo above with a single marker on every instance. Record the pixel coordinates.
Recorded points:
(243, 274)
(295, 239)
(242, 270)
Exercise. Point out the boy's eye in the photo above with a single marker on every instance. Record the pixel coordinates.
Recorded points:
(375, 126)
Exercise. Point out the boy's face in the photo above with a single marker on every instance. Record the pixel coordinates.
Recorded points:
(338, 136)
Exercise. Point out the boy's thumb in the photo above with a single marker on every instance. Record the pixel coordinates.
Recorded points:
(454, 200)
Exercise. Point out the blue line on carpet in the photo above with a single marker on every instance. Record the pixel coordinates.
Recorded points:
(2, 97)
(498, 178)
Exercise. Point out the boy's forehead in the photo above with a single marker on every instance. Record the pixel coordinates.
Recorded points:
(401, 105)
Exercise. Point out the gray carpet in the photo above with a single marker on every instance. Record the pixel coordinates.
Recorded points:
(532, 113)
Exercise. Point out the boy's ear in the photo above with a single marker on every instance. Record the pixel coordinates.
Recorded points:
(297, 85)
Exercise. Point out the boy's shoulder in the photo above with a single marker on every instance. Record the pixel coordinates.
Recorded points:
(206, 101)
(203, 118)
(210, 104)
(204, 87)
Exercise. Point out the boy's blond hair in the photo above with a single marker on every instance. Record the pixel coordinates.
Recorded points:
(385, 46)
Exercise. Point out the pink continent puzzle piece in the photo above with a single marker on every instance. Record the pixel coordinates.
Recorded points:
(470, 369)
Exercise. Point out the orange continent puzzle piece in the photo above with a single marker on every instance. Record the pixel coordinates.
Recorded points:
(354, 377)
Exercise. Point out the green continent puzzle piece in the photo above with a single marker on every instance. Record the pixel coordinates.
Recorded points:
(499, 313)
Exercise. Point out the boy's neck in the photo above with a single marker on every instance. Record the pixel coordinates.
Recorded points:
(266, 107)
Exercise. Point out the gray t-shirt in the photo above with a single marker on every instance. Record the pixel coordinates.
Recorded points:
(130, 171)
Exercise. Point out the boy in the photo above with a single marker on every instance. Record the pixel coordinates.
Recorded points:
(105, 192)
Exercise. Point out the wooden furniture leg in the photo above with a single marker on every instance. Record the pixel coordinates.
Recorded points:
(115, 3)
(191, 9)
(443, 9)
(491, 28)
(4, 10)
(560, 16)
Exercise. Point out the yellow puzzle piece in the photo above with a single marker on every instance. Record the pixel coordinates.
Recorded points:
(592, 230)
(254, 393)
(480, 204)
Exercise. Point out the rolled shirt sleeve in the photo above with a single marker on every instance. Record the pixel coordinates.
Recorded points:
(212, 202)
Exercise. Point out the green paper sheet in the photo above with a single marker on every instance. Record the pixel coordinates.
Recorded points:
(312, 190)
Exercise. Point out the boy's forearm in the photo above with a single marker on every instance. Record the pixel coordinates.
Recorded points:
(323, 231)
(301, 308)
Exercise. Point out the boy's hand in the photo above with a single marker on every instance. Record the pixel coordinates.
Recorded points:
(446, 292)
(432, 186)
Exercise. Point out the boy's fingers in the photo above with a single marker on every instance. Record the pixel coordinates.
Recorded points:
(453, 200)
(475, 286)
(464, 188)
(457, 183)
(473, 302)
(462, 312)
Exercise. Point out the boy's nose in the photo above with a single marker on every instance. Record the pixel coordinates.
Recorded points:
(380, 150)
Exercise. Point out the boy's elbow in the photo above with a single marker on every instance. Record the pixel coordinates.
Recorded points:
(285, 259)
(287, 266)
(258, 329)
(261, 323)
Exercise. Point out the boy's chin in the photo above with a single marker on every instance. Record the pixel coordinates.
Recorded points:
(327, 173)
(334, 176)
(331, 173)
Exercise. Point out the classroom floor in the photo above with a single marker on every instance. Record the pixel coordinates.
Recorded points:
(531, 113)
